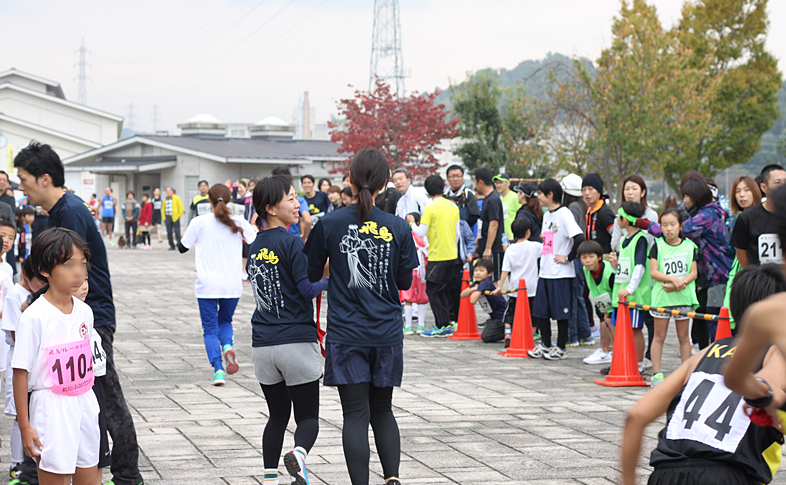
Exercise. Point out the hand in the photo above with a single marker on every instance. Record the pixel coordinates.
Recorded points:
(505, 246)
(623, 294)
(24, 306)
(496, 291)
(678, 283)
(469, 258)
(487, 253)
(561, 259)
(410, 218)
(668, 287)
(613, 259)
(30, 442)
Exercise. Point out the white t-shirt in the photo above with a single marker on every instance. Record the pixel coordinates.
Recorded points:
(12, 310)
(562, 226)
(6, 285)
(43, 325)
(218, 255)
(6, 269)
(521, 261)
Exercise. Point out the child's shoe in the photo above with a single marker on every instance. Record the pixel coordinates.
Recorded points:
(218, 378)
(575, 343)
(421, 329)
(507, 341)
(656, 379)
(231, 358)
(295, 461)
(433, 332)
(408, 331)
(538, 352)
(587, 341)
(556, 353)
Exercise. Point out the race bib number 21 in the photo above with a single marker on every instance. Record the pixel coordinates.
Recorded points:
(770, 250)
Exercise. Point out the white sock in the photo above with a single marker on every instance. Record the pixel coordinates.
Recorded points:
(408, 315)
(17, 451)
(271, 476)
(415, 310)
(641, 366)
(302, 451)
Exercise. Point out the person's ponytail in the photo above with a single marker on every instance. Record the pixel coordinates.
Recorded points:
(369, 172)
(219, 196)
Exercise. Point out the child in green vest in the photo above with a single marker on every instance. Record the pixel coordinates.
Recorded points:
(600, 281)
(673, 267)
(632, 278)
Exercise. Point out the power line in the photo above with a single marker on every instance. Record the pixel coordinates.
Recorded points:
(387, 59)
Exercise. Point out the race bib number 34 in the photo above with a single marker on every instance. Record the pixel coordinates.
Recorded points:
(71, 367)
(709, 413)
(770, 250)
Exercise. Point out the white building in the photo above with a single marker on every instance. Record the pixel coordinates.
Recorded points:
(34, 108)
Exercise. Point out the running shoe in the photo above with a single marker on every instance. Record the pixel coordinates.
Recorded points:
(218, 378)
(408, 331)
(646, 364)
(296, 467)
(421, 329)
(598, 357)
(587, 341)
(656, 379)
(14, 471)
(595, 331)
(445, 331)
(231, 358)
(393, 481)
(538, 352)
(433, 332)
(536, 336)
(507, 341)
(575, 343)
(556, 353)
(605, 371)
(111, 243)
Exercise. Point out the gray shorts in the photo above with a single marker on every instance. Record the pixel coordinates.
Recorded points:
(295, 364)
(669, 315)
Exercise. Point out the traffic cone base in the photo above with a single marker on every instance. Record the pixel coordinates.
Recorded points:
(624, 370)
(521, 337)
(724, 325)
(467, 328)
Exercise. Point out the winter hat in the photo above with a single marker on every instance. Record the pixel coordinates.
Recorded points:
(571, 185)
(593, 180)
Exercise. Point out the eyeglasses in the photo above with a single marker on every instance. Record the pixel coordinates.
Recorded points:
(455, 176)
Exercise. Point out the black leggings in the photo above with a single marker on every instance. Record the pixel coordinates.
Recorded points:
(363, 404)
(544, 325)
(280, 400)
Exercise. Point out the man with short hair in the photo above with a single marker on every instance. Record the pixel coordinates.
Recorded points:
(200, 204)
(42, 178)
(413, 199)
(317, 202)
(755, 232)
(492, 222)
(510, 202)
(467, 202)
(108, 208)
(172, 211)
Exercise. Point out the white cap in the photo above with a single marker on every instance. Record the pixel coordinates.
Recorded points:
(571, 185)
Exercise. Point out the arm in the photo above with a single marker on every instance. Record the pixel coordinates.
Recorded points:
(492, 235)
(472, 289)
(420, 231)
(305, 224)
(648, 409)
(469, 241)
(502, 279)
(471, 202)
(742, 257)
(30, 441)
(635, 279)
(310, 290)
(577, 240)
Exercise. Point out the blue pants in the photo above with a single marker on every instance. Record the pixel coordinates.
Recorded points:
(578, 324)
(216, 316)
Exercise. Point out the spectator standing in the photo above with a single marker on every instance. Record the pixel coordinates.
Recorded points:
(579, 331)
(157, 204)
(599, 217)
(492, 222)
(172, 211)
(413, 199)
(439, 221)
(469, 210)
(131, 210)
(530, 208)
(510, 203)
(145, 220)
(634, 189)
(466, 251)
(108, 209)
(200, 204)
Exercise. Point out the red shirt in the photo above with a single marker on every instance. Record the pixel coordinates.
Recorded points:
(146, 215)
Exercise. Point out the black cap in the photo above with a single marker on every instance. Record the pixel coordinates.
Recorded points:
(501, 176)
(527, 188)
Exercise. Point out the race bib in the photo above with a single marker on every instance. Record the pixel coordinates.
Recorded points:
(71, 367)
(484, 304)
(603, 302)
(504, 211)
(157, 205)
(624, 271)
(676, 265)
(203, 209)
(109, 204)
(548, 242)
(770, 250)
(99, 356)
(709, 413)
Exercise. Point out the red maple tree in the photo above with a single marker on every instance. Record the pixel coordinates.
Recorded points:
(406, 130)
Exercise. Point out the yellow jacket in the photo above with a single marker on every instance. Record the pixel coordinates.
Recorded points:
(177, 208)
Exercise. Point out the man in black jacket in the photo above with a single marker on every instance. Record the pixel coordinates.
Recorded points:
(467, 202)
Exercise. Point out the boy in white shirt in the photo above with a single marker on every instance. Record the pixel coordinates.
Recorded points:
(561, 237)
(53, 359)
(520, 262)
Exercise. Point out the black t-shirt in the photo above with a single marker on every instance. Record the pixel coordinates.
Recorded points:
(365, 260)
(496, 303)
(318, 204)
(491, 211)
(276, 264)
(73, 213)
(599, 224)
(756, 233)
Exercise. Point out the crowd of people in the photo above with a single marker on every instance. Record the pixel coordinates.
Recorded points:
(383, 248)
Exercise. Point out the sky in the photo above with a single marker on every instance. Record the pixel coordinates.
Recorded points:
(244, 60)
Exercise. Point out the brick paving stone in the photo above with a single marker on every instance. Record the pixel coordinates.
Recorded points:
(466, 414)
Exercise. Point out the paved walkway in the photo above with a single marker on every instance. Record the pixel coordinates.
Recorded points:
(466, 415)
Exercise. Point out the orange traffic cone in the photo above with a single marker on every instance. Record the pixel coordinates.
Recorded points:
(724, 325)
(521, 341)
(467, 321)
(624, 364)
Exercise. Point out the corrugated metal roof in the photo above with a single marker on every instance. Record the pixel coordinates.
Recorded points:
(253, 148)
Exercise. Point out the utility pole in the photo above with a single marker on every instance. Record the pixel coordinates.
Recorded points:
(387, 60)
(82, 96)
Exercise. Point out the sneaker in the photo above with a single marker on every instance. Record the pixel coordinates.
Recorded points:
(296, 467)
(598, 357)
(656, 379)
(14, 471)
(218, 378)
(231, 358)
(572, 344)
(536, 337)
(393, 481)
(433, 332)
(538, 352)
(111, 243)
(112, 482)
(556, 353)
(445, 331)
(605, 371)
(507, 341)
(408, 331)
(587, 341)
(595, 331)
(421, 329)
(646, 364)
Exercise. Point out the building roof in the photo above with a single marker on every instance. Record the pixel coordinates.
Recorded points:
(272, 121)
(52, 86)
(63, 101)
(203, 118)
(129, 164)
(226, 150)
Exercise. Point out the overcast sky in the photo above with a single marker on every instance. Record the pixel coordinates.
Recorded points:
(243, 60)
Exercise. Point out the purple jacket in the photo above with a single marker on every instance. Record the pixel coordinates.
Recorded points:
(706, 229)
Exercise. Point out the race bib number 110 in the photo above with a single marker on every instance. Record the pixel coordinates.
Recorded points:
(71, 367)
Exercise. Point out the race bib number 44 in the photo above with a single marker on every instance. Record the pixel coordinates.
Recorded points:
(99, 356)
(71, 367)
(770, 250)
(548, 242)
(709, 413)
(624, 271)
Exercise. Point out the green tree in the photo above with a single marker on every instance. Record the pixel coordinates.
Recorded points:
(729, 35)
